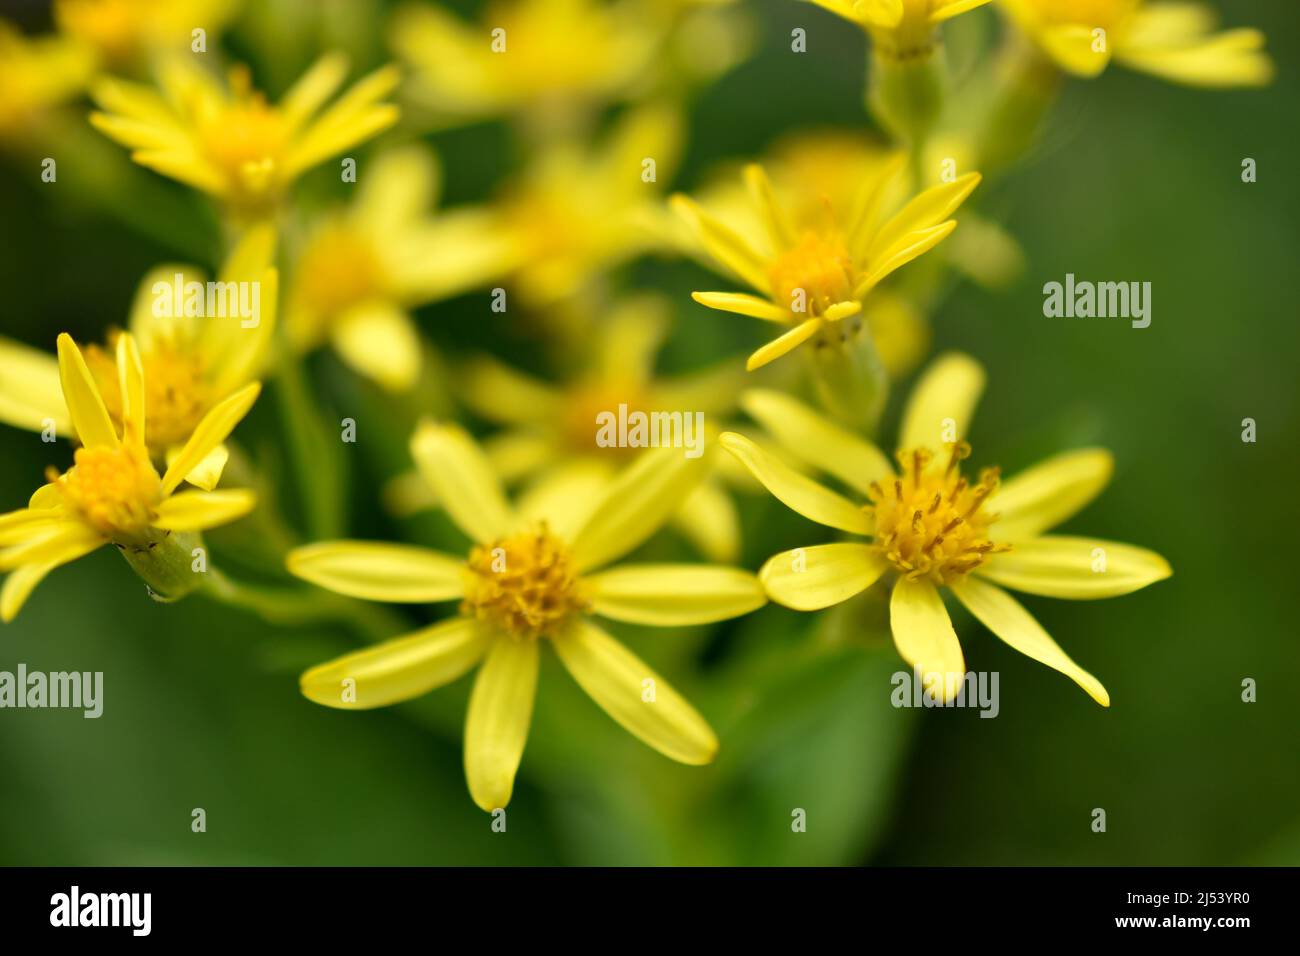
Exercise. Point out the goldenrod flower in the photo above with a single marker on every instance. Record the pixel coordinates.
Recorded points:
(552, 432)
(192, 360)
(814, 273)
(532, 576)
(540, 59)
(578, 211)
(228, 141)
(37, 75)
(931, 527)
(900, 29)
(113, 494)
(363, 269)
(1174, 41)
(123, 32)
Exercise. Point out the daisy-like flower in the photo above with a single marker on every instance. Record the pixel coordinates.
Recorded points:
(552, 436)
(192, 360)
(113, 494)
(37, 75)
(542, 60)
(231, 143)
(931, 527)
(814, 272)
(532, 578)
(362, 269)
(1174, 41)
(124, 32)
(900, 29)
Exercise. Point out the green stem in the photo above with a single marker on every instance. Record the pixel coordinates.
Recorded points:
(313, 451)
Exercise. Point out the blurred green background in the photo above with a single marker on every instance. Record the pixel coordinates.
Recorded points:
(1135, 180)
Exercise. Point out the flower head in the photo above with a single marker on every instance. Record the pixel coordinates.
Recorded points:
(123, 32)
(901, 29)
(930, 524)
(1174, 41)
(533, 578)
(37, 75)
(814, 272)
(228, 140)
(113, 494)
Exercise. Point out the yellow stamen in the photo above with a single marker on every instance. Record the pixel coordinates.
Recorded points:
(524, 584)
(816, 273)
(113, 490)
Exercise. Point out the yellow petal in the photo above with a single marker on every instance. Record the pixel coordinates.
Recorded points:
(207, 473)
(926, 210)
(1004, 616)
(788, 342)
(56, 543)
(85, 405)
(760, 191)
(1049, 493)
(503, 394)
(1079, 569)
(924, 636)
(496, 726)
(627, 341)
(941, 405)
(313, 88)
(403, 183)
(463, 481)
(947, 9)
(742, 303)
(198, 510)
(377, 571)
(729, 249)
(1227, 59)
(520, 452)
(817, 441)
(674, 595)
(1074, 49)
(30, 391)
(130, 382)
(19, 585)
(398, 670)
(636, 504)
(808, 579)
(379, 340)
(911, 246)
(797, 492)
(210, 432)
(634, 695)
(17, 526)
(565, 496)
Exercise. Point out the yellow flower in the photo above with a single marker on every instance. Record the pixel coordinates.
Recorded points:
(37, 75)
(231, 142)
(815, 272)
(532, 575)
(361, 270)
(122, 32)
(578, 212)
(539, 59)
(113, 494)
(931, 527)
(1174, 41)
(191, 361)
(552, 432)
(900, 29)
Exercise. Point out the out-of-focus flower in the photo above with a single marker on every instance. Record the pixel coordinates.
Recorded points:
(532, 576)
(231, 143)
(900, 29)
(37, 75)
(577, 212)
(362, 269)
(196, 348)
(814, 272)
(1174, 41)
(542, 60)
(126, 32)
(552, 432)
(930, 527)
(113, 494)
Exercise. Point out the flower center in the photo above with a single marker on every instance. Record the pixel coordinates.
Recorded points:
(114, 490)
(245, 138)
(524, 584)
(813, 275)
(176, 392)
(931, 523)
(582, 429)
(338, 270)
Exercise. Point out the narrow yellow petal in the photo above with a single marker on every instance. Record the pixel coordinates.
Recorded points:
(674, 595)
(377, 571)
(496, 726)
(313, 88)
(773, 350)
(199, 510)
(1050, 492)
(942, 403)
(729, 249)
(1229, 59)
(637, 503)
(207, 473)
(808, 579)
(18, 586)
(130, 382)
(797, 492)
(1074, 49)
(1078, 569)
(210, 432)
(817, 441)
(924, 636)
(1004, 616)
(912, 245)
(397, 670)
(85, 404)
(925, 211)
(463, 481)
(634, 695)
(503, 394)
(947, 9)
(379, 340)
(30, 391)
(17, 526)
(565, 495)
(51, 544)
(760, 191)
(742, 303)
